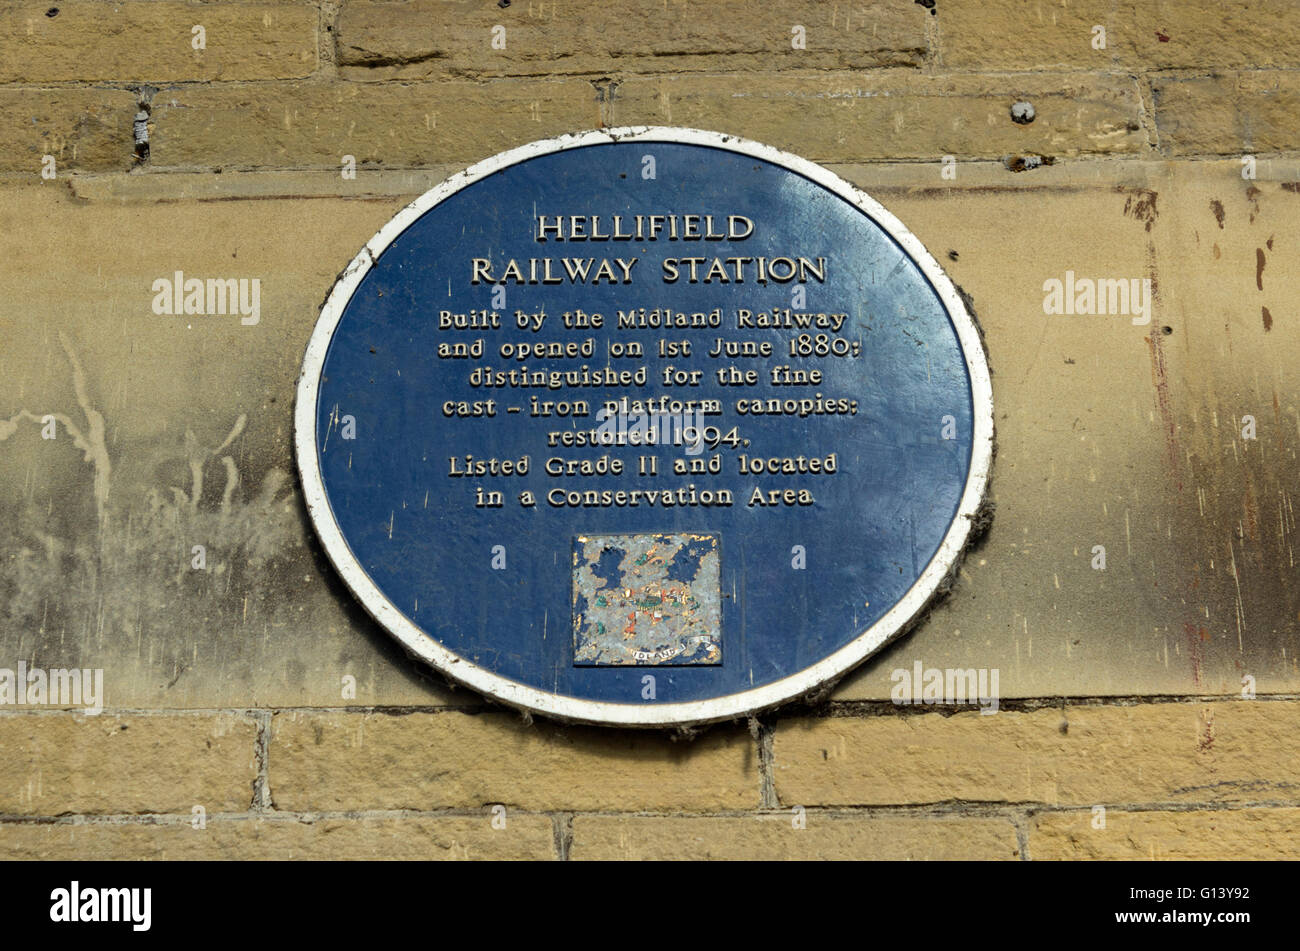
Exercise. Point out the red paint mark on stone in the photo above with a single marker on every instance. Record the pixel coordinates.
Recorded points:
(1162, 36)
(1259, 268)
(1141, 204)
(1194, 653)
(1153, 274)
(1216, 206)
(1268, 319)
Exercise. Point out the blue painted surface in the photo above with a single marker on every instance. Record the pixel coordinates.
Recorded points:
(874, 527)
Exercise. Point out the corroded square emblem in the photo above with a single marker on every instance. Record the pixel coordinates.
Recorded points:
(646, 600)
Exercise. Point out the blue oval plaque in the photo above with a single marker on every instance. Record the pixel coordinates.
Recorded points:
(644, 426)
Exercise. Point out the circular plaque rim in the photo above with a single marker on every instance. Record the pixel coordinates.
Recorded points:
(894, 622)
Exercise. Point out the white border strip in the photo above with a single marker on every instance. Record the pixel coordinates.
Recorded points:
(424, 647)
